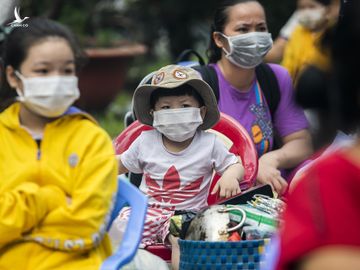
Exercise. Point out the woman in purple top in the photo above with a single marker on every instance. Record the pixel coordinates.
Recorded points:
(239, 41)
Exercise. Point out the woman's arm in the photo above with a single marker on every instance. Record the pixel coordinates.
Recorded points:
(297, 147)
(275, 55)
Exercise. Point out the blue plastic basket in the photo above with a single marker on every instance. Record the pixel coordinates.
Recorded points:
(202, 255)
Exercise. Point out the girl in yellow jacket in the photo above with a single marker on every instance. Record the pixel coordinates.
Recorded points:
(303, 47)
(57, 167)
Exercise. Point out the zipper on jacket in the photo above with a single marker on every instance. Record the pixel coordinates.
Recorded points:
(38, 143)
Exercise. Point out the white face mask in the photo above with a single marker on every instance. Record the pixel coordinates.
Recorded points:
(311, 18)
(248, 50)
(178, 124)
(48, 96)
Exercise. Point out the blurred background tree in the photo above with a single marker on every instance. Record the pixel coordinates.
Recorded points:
(171, 25)
(96, 23)
(186, 24)
(166, 27)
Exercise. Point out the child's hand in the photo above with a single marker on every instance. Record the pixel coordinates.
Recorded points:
(228, 187)
(228, 184)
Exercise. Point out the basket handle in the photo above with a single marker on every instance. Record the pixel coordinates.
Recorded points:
(242, 221)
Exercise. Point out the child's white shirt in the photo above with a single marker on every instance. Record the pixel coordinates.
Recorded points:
(180, 181)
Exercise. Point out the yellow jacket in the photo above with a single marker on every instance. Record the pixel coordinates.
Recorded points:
(301, 50)
(56, 199)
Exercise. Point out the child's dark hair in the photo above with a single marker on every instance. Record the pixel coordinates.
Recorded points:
(219, 21)
(183, 90)
(15, 45)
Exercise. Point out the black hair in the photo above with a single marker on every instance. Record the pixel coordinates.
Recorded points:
(220, 19)
(324, 2)
(15, 45)
(346, 57)
(182, 90)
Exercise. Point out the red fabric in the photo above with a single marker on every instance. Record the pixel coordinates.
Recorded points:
(323, 209)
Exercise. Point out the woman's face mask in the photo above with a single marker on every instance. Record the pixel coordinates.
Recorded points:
(177, 124)
(48, 96)
(248, 50)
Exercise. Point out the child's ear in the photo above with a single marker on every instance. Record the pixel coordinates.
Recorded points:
(12, 79)
(203, 112)
(152, 112)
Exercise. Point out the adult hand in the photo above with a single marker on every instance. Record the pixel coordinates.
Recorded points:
(269, 174)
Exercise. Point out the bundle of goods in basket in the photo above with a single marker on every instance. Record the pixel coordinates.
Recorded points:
(228, 236)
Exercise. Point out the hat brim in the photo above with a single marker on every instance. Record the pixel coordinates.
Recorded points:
(141, 102)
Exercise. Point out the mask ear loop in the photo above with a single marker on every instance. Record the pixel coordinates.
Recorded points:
(19, 75)
(20, 96)
(229, 43)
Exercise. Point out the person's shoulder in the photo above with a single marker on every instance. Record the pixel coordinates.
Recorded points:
(332, 165)
(84, 127)
(77, 116)
(81, 125)
(333, 173)
(212, 139)
(146, 139)
(149, 134)
(279, 70)
(206, 135)
(282, 75)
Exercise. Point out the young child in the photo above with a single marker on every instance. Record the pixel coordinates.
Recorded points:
(177, 158)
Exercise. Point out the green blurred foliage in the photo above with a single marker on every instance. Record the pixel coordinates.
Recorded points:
(186, 23)
(166, 27)
(112, 119)
(95, 23)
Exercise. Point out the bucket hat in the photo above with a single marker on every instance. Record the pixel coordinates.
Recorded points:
(170, 77)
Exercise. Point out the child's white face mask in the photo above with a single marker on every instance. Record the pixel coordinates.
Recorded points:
(178, 124)
(48, 96)
(312, 18)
